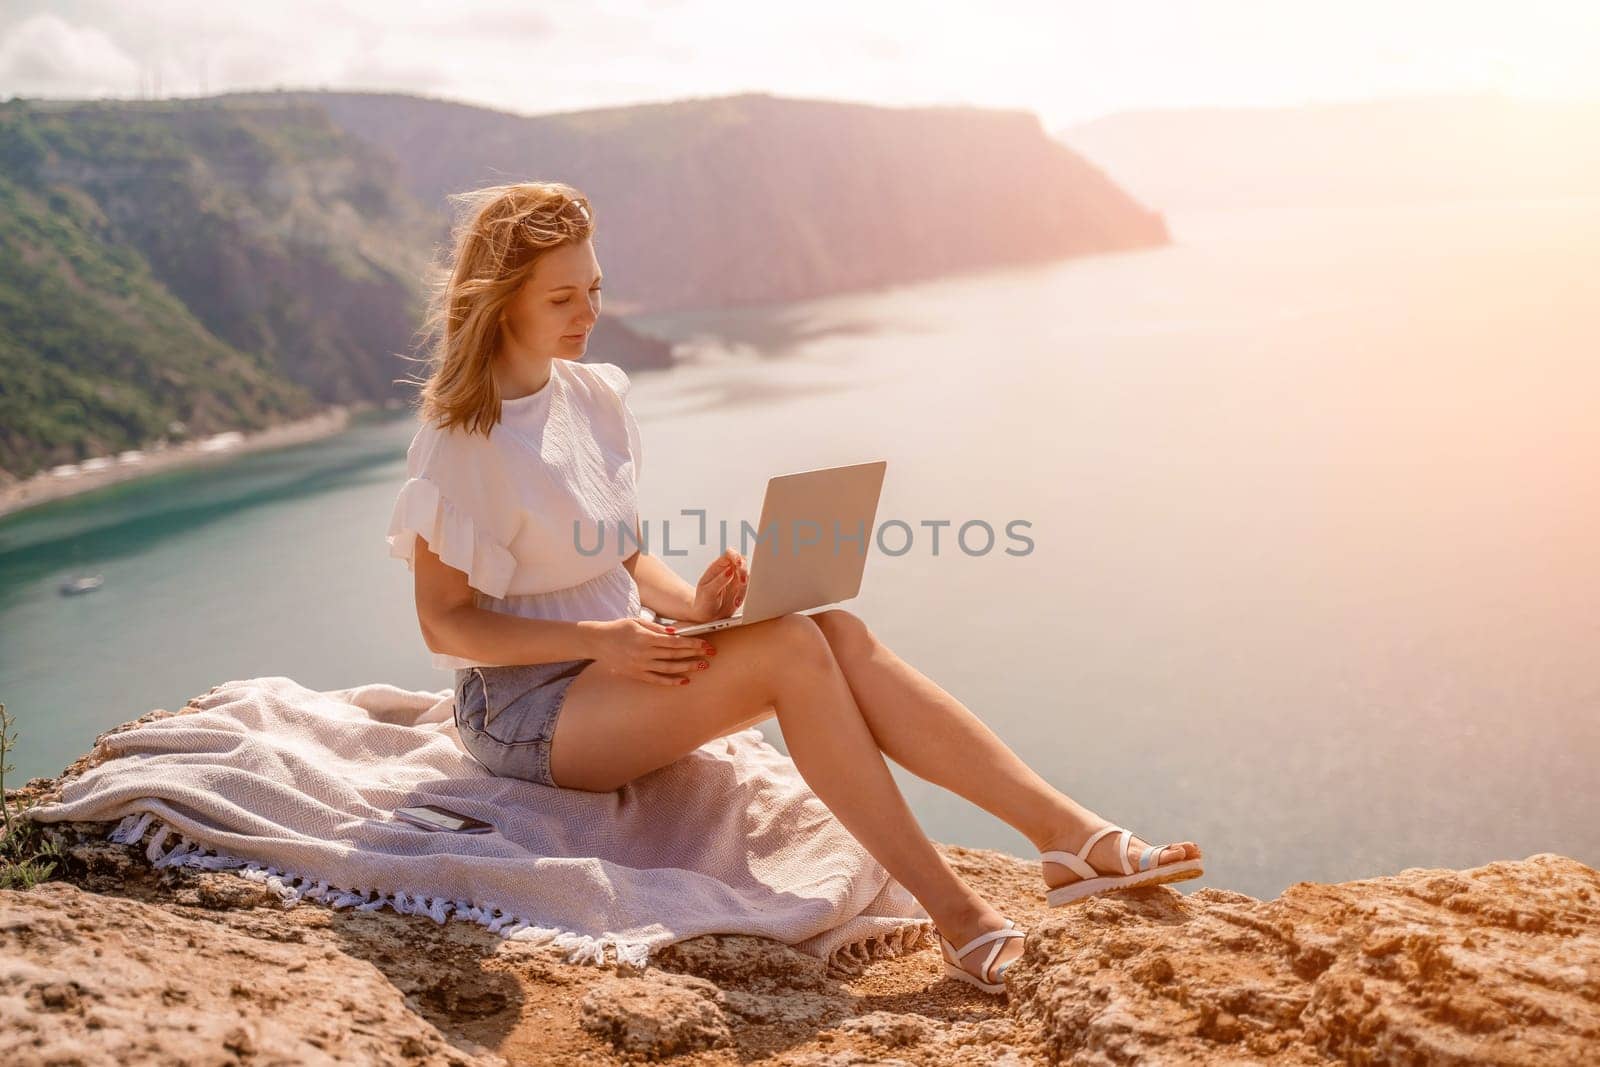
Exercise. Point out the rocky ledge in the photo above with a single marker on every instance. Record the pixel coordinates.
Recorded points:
(116, 962)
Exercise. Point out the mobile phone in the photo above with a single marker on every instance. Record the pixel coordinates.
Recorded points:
(433, 817)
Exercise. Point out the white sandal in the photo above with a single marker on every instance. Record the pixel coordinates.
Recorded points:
(952, 957)
(1090, 881)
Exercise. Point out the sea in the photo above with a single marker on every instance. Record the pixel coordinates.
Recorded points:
(1283, 538)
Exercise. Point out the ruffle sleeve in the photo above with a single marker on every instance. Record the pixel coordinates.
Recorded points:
(421, 510)
(453, 499)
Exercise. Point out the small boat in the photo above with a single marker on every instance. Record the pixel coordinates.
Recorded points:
(83, 583)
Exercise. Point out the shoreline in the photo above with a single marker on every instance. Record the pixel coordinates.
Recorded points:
(44, 487)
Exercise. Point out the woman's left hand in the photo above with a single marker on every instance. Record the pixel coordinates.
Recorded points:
(721, 588)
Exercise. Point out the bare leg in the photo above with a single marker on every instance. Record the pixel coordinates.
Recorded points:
(934, 736)
(785, 664)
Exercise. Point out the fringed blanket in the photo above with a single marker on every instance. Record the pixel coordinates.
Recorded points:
(294, 788)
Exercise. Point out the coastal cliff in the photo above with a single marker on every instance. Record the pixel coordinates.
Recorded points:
(118, 961)
(178, 268)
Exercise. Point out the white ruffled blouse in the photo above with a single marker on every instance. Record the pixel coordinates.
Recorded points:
(531, 513)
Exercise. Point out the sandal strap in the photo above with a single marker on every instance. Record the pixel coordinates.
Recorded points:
(1067, 859)
(1148, 860)
(1124, 846)
(1097, 835)
(994, 935)
(1008, 930)
(1080, 865)
(988, 961)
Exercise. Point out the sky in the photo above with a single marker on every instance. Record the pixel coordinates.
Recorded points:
(1064, 60)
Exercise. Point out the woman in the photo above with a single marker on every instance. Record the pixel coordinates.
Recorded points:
(526, 456)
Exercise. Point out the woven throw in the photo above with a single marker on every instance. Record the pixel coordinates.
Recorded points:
(295, 788)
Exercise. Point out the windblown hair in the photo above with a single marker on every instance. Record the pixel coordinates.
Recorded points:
(497, 239)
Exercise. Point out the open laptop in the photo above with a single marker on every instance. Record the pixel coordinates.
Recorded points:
(802, 559)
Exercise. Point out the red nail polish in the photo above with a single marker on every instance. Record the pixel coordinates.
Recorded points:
(684, 682)
(702, 665)
(672, 629)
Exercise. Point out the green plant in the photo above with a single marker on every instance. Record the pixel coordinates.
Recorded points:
(26, 856)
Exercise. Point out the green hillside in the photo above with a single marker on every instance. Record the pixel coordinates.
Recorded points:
(225, 267)
(232, 262)
(96, 355)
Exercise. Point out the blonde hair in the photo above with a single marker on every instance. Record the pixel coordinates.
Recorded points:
(497, 240)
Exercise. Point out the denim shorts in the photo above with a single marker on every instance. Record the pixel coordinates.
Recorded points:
(506, 716)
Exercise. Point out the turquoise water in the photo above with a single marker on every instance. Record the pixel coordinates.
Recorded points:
(1312, 497)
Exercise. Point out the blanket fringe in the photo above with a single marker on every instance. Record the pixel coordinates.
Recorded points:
(291, 889)
(852, 958)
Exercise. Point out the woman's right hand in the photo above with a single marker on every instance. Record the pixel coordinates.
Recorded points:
(641, 649)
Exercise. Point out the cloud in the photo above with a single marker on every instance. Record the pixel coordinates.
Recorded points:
(44, 55)
(1066, 61)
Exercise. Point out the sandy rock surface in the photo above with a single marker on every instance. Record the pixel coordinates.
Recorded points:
(120, 963)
